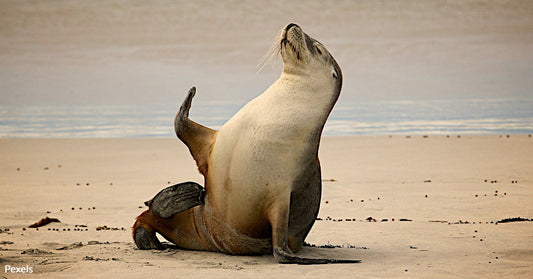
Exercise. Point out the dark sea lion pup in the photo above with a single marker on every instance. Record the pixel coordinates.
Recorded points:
(261, 169)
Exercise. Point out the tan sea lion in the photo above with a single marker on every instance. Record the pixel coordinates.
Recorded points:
(261, 169)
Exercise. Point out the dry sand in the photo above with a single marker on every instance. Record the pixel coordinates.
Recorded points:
(451, 232)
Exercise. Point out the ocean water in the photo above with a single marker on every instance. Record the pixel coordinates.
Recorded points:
(391, 117)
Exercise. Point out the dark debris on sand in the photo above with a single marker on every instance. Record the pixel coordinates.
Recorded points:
(44, 222)
(516, 219)
(34, 252)
(331, 246)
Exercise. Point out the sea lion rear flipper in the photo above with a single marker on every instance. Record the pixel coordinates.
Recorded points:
(146, 240)
(198, 138)
(177, 198)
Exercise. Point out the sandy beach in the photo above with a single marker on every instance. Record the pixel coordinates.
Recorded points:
(433, 203)
(414, 206)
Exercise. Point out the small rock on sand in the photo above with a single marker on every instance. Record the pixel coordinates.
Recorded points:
(34, 251)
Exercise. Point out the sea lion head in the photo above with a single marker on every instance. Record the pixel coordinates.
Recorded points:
(302, 54)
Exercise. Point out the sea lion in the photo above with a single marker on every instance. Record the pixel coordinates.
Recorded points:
(261, 169)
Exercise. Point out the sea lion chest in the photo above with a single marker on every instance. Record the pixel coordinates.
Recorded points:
(273, 131)
(259, 151)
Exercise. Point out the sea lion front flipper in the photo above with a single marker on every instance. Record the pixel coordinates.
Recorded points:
(198, 138)
(289, 258)
(177, 198)
(279, 220)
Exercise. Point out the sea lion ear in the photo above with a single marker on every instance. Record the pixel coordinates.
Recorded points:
(177, 198)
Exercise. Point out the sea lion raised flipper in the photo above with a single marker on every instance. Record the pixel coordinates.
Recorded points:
(198, 138)
(177, 198)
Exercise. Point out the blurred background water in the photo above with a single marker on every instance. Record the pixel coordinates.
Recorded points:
(111, 68)
(439, 117)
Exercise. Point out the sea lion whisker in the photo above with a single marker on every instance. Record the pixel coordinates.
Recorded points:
(271, 55)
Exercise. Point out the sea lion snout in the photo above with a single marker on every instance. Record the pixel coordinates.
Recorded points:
(290, 25)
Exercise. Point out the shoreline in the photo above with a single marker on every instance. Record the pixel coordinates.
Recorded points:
(385, 135)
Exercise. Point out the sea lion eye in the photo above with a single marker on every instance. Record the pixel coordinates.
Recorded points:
(335, 74)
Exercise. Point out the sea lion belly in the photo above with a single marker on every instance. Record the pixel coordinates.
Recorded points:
(256, 155)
